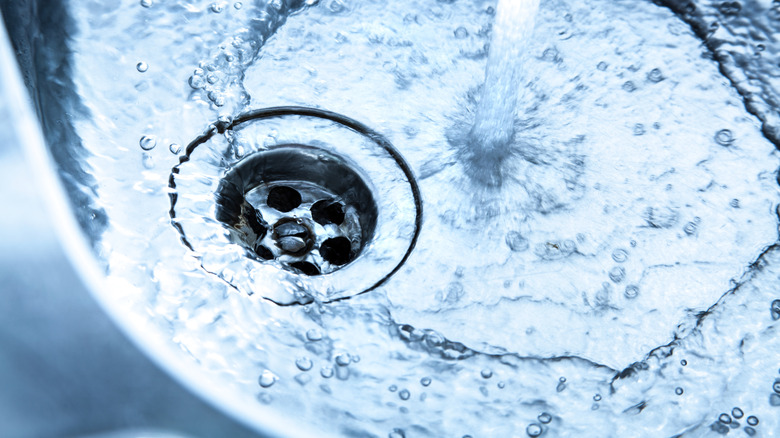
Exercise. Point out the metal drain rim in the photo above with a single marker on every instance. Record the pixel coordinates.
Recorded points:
(281, 111)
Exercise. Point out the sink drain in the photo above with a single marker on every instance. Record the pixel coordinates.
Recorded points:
(296, 203)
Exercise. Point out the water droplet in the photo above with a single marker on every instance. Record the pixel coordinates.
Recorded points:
(737, 413)
(533, 430)
(619, 255)
(631, 291)
(238, 5)
(724, 418)
(617, 274)
(683, 362)
(326, 371)
(655, 75)
(146, 3)
(343, 359)
(678, 391)
(303, 363)
(267, 379)
(142, 66)
(752, 420)
(597, 397)
(775, 310)
(544, 418)
(174, 148)
(724, 137)
(516, 241)
(147, 142)
(392, 388)
(425, 381)
(216, 7)
(404, 394)
(486, 373)
(461, 33)
(313, 335)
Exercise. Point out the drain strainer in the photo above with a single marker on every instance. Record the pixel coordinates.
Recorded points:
(296, 203)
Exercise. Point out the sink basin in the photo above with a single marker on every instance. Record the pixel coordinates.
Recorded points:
(274, 200)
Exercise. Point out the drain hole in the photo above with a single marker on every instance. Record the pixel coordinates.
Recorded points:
(306, 268)
(337, 250)
(284, 199)
(327, 212)
(263, 252)
(315, 203)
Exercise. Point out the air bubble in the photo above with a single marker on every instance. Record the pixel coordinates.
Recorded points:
(425, 381)
(619, 255)
(678, 391)
(774, 309)
(597, 397)
(655, 75)
(602, 66)
(147, 142)
(304, 363)
(397, 433)
(461, 33)
(737, 413)
(617, 274)
(631, 291)
(142, 67)
(238, 5)
(404, 394)
(724, 137)
(175, 148)
(544, 418)
(533, 430)
(724, 418)
(752, 420)
(267, 379)
(326, 371)
(516, 241)
(683, 362)
(690, 228)
(216, 8)
(639, 129)
(212, 78)
(146, 3)
(313, 335)
(734, 203)
(629, 86)
(392, 388)
(486, 373)
(343, 359)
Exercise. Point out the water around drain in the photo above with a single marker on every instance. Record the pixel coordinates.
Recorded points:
(277, 197)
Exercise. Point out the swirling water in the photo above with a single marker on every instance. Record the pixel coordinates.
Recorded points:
(619, 282)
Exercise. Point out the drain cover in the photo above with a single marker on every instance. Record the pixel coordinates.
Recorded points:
(296, 204)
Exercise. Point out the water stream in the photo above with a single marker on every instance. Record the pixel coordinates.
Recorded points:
(622, 278)
(489, 141)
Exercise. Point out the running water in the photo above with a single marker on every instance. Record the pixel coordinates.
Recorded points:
(490, 139)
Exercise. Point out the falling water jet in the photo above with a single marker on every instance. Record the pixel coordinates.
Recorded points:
(489, 142)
